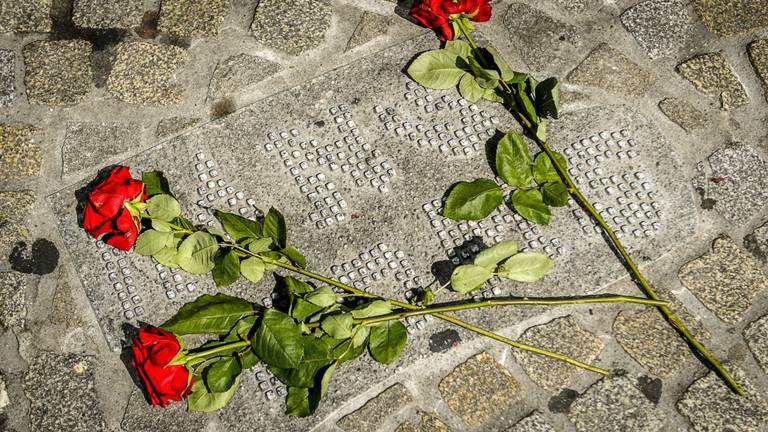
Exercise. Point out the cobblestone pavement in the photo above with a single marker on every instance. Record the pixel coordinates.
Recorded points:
(302, 104)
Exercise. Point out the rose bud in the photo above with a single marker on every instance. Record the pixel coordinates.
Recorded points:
(152, 351)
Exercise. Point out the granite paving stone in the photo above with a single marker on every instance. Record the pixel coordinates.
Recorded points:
(7, 77)
(684, 113)
(578, 6)
(543, 42)
(479, 389)
(14, 211)
(534, 422)
(141, 417)
(239, 72)
(87, 144)
(615, 404)
(712, 407)
(427, 422)
(371, 26)
(757, 243)
(58, 73)
(661, 27)
(20, 156)
(758, 55)
(25, 16)
(370, 416)
(4, 400)
(712, 75)
(62, 395)
(13, 307)
(192, 18)
(756, 335)
(611, 70)
(727, 280)
(293, 26)
(173, 125)
(563, 335)
(732, 182)
(145, 73)
(731, 17)
(99, 14)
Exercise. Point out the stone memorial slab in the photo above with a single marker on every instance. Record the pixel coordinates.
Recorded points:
(358, 167)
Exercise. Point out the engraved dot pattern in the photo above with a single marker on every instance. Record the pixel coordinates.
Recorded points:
(119, 272)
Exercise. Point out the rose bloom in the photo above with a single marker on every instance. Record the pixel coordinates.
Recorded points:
(438, 14)
(151, 352)
(105, 212)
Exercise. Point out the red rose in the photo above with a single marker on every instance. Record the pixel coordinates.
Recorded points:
(439, 14)
(106, 214)
(152, 350)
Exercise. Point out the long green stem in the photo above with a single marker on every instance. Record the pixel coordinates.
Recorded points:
(532, 126)
(192, 359)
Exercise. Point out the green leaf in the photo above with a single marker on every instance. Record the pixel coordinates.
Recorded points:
(238, 227)
(530, 204)
(209, 314)
(151, 242)
(387, 341)
(526, 267)
(227, 269)
(260, 245)
(360, 335)
(470, 89)
(164, 207)
(295, 287)
(544, 171)
(486, 78)
(322, 297)
(303, 309)
(541, 131)
(519, 77)
(338, 326)
(343, 350)
(197, 253)
(473, 200)
(491, 257)
(221, 375)
(529, 111)
(374, 308)
(436, 69)
(468, 278)
(506, 73)
(253, 269)
(317, 355)
(201, 400)
(317, 392)
(167, 257)
(494, 96)
(278, 340)
(274, 227)
(155, 183)
(294, 255)
(459, 47)
(513, 162)
(297, 402)
(161, 225)
(555, 194)
(547, 98)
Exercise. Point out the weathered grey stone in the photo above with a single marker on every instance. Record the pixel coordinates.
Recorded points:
(757, 243)
(58, 73)
(712, 407)
(14, 210)
(534, 422)
(174, 125)
(4, 400)
(427, 422)
(21, 157)
(479, 389)
(62, 395)
(192, 18)
(293, 26)
(238, 72)
(578, 6)
(25, 16)
(88, 144)
(141, 417)
(145, 73)
(371, 26)
(758, 54)
(99, 14)
(733, 185)
(730, 17)
(756, 335)
(13, 307)
(7, 77)
(370, 416)
(662, 27)
(543, 42)
(727, 280)
(711, 74)
(609, 69)
(615, 404)
(684, 113)
(563, 335)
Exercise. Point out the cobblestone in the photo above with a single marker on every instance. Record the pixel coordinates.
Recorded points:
(534, 422)
(757, 243)
(371, 26)
(370, 416)
(756, 335)
(711, 74)
(293, 26)
(25, 16)
(542, 41)
(758, 55)
(58, 73)
(611, 70)
(684, 113)
(428, 422)
(192, 18)
(145, 73)
(239, 72)
(20, 155)
(99, 14)
(730, 17)
(15, 207)
(13, 308)
(7, 77)
(661, 27)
